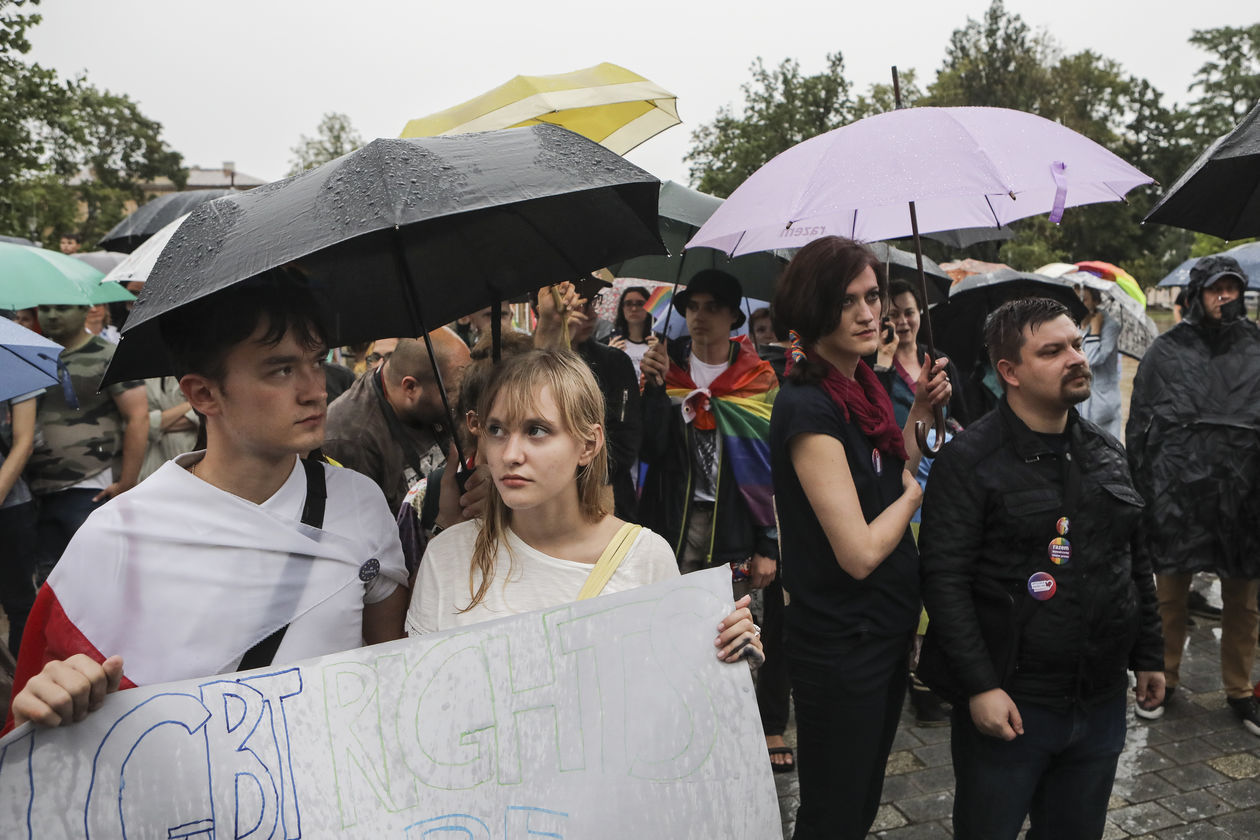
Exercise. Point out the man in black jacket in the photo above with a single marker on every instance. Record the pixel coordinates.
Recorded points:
(1039, 594)
(1194, 446)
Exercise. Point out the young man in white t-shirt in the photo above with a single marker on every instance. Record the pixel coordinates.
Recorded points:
(707, 522)
(217, 550)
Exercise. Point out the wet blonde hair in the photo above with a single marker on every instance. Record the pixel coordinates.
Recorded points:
(516, 385)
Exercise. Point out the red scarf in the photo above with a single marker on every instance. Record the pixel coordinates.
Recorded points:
(862, 397)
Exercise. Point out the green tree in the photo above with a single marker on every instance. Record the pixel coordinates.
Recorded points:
(1229, 82)
(71, 156)
(997, 61)
(782, 107)
(335, 136)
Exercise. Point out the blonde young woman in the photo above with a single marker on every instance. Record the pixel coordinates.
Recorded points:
(539, 430)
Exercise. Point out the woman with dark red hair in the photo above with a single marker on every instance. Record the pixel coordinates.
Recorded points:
(845, 493)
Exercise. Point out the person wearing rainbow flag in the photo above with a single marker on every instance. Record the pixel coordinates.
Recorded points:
(707, 402)
(706, 441)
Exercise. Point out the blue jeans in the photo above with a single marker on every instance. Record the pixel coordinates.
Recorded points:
(60, 515)
(1059, 773)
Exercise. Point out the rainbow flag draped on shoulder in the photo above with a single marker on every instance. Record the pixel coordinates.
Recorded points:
(738, 405)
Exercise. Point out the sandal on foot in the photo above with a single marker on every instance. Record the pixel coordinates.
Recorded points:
(785, 767)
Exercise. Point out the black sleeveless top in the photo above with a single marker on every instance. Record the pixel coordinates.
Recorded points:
(827, 605)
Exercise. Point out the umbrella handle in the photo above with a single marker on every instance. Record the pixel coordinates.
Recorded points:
(564, 315)
(921, 430)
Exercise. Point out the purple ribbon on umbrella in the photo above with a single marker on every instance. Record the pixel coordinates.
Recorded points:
(1058, 171)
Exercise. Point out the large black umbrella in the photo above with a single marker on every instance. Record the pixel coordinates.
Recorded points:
(403, 236)
(958, 323)
(682, 212)
(131, 232)
(1220, 192)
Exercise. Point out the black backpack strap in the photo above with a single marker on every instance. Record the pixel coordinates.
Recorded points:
(261, 654)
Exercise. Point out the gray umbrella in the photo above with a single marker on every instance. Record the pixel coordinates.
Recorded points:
(959, 321)
(403, 236)
(148, 219)
(966, 237)
(1247, 254)
(682, 212)
(102, 261)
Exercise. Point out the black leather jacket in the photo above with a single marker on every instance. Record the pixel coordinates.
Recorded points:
(990, 511)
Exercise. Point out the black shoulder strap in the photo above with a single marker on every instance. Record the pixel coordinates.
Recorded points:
(395, 427)
(261, 654)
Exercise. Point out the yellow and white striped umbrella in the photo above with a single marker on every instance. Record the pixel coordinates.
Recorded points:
(606, 103)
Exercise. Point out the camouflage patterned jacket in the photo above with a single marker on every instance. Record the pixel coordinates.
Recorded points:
(78, 444)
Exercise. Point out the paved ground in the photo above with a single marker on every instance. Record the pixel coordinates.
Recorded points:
(1194, 775)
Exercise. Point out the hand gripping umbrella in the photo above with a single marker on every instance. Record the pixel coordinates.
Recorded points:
(403, 236)
(955, 168)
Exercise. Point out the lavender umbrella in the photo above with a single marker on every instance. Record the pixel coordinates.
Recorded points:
(917, 170)
(962, 167)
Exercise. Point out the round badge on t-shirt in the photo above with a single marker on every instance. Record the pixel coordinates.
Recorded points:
(877, 462)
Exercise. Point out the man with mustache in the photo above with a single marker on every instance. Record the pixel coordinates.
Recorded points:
(1194, 445)
(1040, 591)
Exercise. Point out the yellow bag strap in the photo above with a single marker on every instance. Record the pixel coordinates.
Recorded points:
(616, 550)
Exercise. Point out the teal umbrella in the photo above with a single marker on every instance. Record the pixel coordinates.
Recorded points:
(36, 276)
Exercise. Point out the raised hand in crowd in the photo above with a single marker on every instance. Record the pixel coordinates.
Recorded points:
(549, 333)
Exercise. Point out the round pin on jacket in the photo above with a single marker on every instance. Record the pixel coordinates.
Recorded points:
(369, 570)
(877, 462)
(1042, 586)
(1062, 526)
(1060, 551)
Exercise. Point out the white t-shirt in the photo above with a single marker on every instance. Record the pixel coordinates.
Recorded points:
(705, 442)
(352, 509)
(636, 350)
(703, 373)
(524, 580)
(181, 578)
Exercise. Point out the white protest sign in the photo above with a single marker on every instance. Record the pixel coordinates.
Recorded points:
(607, 718)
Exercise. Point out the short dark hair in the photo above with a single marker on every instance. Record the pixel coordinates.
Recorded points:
(199, 335)
(897, 288)
(1004, 328)
(810, 294)
(72, 235)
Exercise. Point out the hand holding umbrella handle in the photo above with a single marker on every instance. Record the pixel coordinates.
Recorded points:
(921, 432)
(563, 312)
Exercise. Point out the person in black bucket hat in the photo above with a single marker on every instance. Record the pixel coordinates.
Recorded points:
(724, 288)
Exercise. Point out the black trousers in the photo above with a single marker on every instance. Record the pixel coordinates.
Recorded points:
(773, 687)
(18, 549)
(848, 702)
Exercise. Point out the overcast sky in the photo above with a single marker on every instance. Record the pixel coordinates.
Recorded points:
(240, 80)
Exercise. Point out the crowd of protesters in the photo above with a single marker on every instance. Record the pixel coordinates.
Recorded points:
(782, 446)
